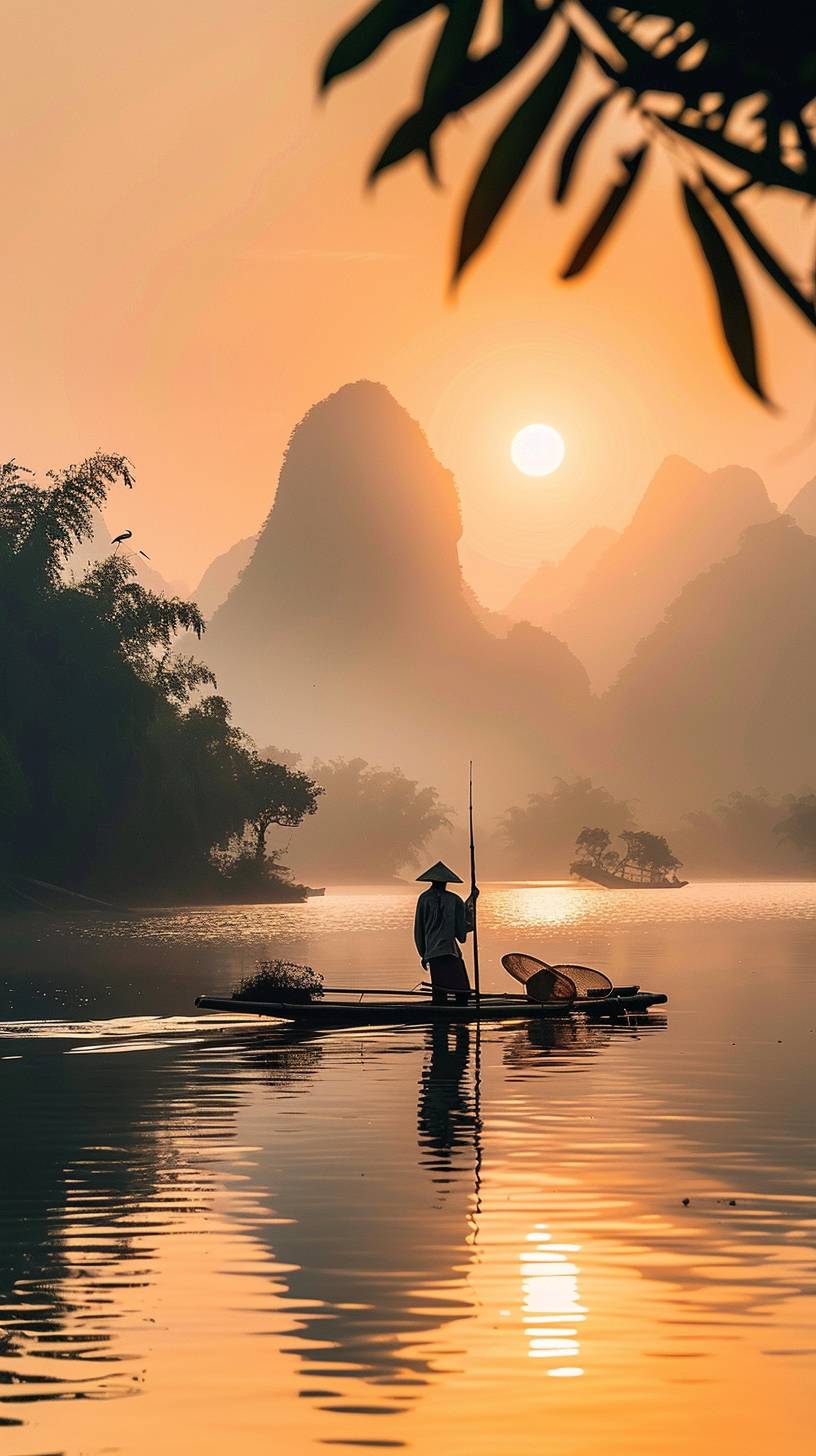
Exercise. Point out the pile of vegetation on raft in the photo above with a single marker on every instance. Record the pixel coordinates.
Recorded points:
(122, 774)
(280, 981)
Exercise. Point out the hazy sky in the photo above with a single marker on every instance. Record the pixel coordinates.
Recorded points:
(191, 260)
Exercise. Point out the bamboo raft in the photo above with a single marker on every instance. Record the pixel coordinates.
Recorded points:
(372, 1007)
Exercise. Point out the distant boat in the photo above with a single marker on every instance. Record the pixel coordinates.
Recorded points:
(311, 892)
(624, 882)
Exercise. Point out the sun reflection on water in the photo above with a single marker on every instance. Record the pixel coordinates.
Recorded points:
(349, 1238)
(551, 1309)
(540, 906)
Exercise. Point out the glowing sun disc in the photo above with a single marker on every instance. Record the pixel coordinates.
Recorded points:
(537, 450)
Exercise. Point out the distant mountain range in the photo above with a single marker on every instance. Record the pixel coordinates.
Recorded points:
(345, 628)
(722, 694)
(687, 520)
(803, 508)
(222, 574)
(555, 584)
(351, 632)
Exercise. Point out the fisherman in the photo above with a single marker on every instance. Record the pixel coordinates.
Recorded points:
(442, 922)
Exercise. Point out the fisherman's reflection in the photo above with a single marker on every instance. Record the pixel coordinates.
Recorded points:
(378, 1262)
(446, 1117)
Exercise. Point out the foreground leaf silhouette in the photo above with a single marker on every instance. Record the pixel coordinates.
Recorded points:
(727, 86)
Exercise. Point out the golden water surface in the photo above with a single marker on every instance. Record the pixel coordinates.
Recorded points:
(223, 1236)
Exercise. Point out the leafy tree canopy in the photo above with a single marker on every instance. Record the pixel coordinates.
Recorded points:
(116, 772)
(278, 795)
(799, 827)
(372, 823)
(647, 852)
(540, 836)
(594, 844)
(739, 836)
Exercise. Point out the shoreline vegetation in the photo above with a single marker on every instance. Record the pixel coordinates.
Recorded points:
(122, 775)
(124, 778)
(743, 836)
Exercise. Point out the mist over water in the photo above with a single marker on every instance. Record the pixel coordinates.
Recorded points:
(408, 1239)
(667, 660)
(554, 1237)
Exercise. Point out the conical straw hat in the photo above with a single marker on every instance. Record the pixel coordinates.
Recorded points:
(441, 874)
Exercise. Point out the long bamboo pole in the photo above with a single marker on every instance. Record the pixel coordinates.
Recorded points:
(477, 1066)
(473, 888)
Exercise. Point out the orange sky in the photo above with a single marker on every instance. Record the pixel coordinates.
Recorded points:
(191, 261)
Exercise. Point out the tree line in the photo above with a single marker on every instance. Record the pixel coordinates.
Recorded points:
(374, 823)
(122, 773)
(749, 835)
(121, 769)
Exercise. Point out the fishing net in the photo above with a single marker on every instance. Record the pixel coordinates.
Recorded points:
(522, 967)
(587, 982)
(548, 984)
(542, 982)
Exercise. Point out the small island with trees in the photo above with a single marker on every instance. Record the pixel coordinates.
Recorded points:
(646, 862)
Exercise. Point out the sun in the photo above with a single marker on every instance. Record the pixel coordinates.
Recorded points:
(537, 450)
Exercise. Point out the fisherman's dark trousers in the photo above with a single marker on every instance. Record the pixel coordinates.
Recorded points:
(448, 976)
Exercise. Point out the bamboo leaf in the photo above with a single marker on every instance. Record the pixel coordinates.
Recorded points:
(451, 54)
(613, 202)
(762, 253)
(414, 134)
(643, 70)
(516, 14)
(449, 62)
(735, 313)
(572, 150)
(512, 150)
(760, 167)
(472, 81)
(359, 43)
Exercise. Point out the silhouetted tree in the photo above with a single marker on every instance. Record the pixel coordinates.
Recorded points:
(286, 756)
(541, 836)
(724, 87)
(738, 836)
(799, 827)
(594, 844)
(114, 770)
(648, 853)
(372, 822)
(278, 795)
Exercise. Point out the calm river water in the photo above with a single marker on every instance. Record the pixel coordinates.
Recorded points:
(218, 1236)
